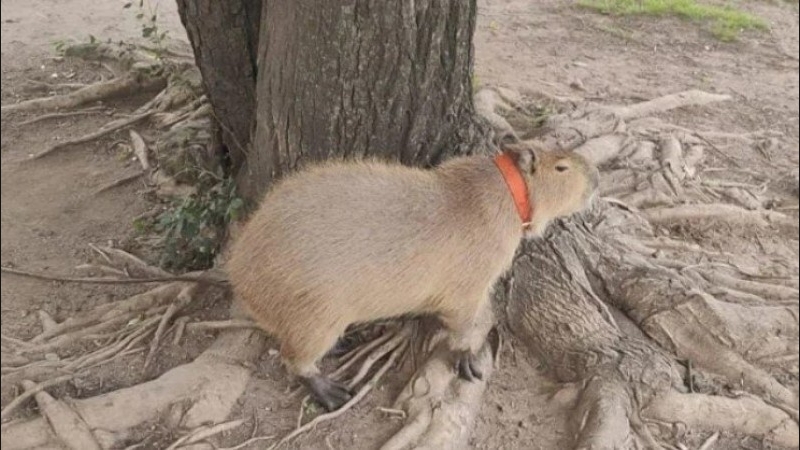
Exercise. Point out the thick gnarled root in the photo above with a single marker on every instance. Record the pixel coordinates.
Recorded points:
(439, 407)
(745, 415)
(721, 312)
(204, 391)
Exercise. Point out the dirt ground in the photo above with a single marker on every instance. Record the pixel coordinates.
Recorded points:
(51, 210)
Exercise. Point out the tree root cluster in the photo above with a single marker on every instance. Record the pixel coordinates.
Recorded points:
(178, 110)
(609, 304)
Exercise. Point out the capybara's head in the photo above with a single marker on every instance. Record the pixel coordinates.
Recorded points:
(559, 183)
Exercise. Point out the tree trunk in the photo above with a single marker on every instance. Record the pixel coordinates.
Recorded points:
(224, 37)
(338, 79)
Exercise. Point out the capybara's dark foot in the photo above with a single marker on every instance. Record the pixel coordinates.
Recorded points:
(326, 392)
(467, 366)
(342, 346)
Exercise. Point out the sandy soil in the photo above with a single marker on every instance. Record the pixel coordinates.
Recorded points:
(50, 209)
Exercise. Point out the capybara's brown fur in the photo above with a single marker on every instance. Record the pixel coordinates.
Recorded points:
(341, 243)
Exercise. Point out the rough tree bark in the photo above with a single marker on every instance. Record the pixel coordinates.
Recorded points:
(224, 37)
(338, 79)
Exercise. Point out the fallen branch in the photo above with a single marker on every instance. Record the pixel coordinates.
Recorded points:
(248, 442)
(602, 149)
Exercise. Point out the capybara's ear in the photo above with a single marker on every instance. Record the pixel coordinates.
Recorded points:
(506, 138)
(524, 155)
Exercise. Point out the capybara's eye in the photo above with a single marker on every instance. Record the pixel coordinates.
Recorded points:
(562, 168)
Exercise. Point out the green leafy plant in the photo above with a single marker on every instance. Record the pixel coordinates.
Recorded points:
(60, 46)
(147, 15)
(193, 229)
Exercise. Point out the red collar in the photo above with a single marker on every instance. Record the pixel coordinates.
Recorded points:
(516, 185)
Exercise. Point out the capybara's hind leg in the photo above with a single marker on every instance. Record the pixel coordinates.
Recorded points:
(301, 356)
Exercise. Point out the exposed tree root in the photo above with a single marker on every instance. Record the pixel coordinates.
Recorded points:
(107, 129)
(599, 263)
(204, 432)
(667, 103)
(32, 390)
(118, 183)
(603, 416)
(685, 330)
(231, 324)
(88, 280)
(727, 213)
(559, 300)
(134, 83)
(182, 300)
(191, 395)
(120, 322)
(764, 290)
(744, 415)
(61, 115)
(440, 408)
(65, 423)
(39, 85)
(178, 84)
